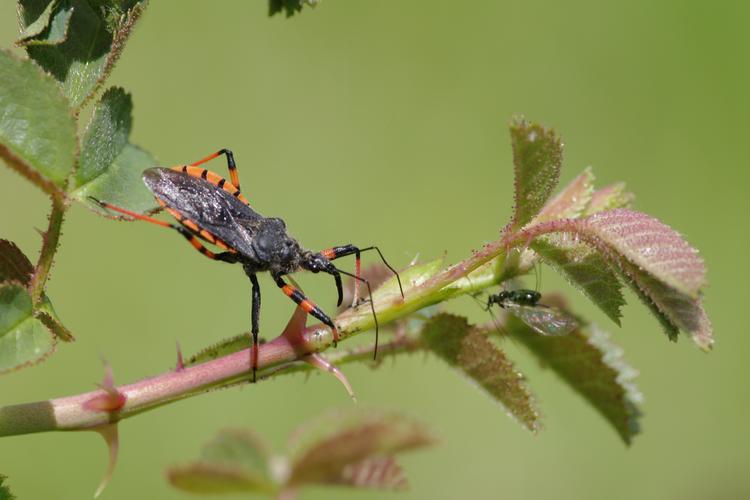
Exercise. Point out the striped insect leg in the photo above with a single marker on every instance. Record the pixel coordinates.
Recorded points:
(231, 166)
(309, 307)
(192, 239)
(213, 178)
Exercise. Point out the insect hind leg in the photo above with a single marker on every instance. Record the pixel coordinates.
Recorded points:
(190, 237)
(231, 166)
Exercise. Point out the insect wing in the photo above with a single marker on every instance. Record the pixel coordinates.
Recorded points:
(211, 208)
(544, 320)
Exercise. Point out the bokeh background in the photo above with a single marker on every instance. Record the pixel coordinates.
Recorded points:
(385, 122)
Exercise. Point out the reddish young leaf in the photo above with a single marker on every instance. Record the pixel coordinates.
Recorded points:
(382, 473)
(537, 157)
(470, 351)
(676, 311)
(14, 265)
(331, 449)
(665, 271)
(609, 198)
(571, 201)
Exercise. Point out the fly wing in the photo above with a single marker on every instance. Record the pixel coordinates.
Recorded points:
(544, 320)
(212, 209)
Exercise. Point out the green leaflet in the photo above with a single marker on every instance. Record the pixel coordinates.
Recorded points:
(470, 351)
(5, 493)
(37, 131)
(110, 168)
(585, 269)
(234, 461)
(290, 7)
(24, 339)
(16, 267)
(106, 135)
(591, 365)
(537, 158)
(47, 29)
(121, 184)
(96, 33)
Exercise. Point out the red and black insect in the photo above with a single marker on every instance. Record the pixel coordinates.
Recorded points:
(212, 209)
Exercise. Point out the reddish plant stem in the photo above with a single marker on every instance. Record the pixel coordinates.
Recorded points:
(78, 413)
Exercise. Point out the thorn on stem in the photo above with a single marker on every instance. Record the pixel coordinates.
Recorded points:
(319, 362)
(112, 440)
(112, 399)
(180, 363)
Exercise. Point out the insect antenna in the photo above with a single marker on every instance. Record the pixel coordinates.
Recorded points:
(398, 278)
(372, 305)
(488, 308)
(537, 276)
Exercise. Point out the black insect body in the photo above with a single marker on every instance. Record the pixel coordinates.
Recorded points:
(521, 297)
(212, 209)
(524, 304)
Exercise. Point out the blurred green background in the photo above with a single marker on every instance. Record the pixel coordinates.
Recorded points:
(385, 122)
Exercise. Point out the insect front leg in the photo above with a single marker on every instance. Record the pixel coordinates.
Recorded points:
(309, 306)
(349, 249)
(255, 320)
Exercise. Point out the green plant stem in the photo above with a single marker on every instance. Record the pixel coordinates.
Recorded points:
(51, 239)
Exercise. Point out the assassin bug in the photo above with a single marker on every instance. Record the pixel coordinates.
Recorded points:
(524, 305)
(212, 209)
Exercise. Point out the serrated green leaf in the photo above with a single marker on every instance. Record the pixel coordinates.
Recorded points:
(106, 135)
(609, 198)
(37, 131)
(24, 340)
(14, 265)
(585, 269)
(537, 158)
(50, 28)
(470, 351)
(121, 184)
(5, 493)
(591, 365)
(96, 35)
(234, 461)
(289, 6)
(325, 450)
(220, 349)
